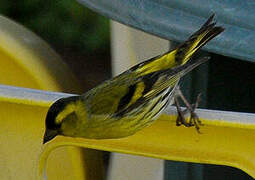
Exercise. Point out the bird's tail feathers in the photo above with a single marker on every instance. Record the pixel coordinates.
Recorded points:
(197, 40)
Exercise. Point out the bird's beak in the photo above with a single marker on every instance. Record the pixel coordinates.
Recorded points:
(49, 135)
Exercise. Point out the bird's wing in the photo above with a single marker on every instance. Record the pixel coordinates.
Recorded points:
(169, 78)
(111, 95)
(122, 95)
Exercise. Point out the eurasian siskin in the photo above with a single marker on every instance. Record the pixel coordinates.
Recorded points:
(132, 100)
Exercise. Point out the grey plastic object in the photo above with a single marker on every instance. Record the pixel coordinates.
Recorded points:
(176, 20)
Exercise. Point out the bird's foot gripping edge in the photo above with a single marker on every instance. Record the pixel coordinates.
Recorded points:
(194, 119)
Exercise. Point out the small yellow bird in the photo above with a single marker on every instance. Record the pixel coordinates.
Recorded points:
(131, 101)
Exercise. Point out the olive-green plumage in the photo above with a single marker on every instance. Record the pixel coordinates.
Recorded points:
(131, 101)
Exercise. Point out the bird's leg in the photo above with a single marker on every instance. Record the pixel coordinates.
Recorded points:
(194, 120)
(180, 118)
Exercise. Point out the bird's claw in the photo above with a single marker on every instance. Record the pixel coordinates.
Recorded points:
(193, 120)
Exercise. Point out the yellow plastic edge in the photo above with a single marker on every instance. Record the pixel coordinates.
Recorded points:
(219, 143)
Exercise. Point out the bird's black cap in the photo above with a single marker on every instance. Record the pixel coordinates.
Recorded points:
(52, 127)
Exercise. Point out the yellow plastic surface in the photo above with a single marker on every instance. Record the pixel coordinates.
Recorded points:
(226, 139)
(27, 61)
(221, 142)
